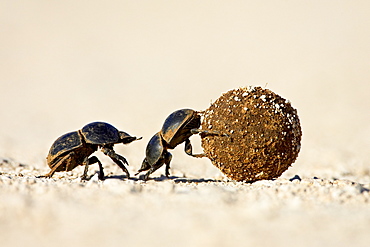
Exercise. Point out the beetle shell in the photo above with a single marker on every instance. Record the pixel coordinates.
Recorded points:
(100, 133)
(63, 144)
(177, 126)
(154, 149)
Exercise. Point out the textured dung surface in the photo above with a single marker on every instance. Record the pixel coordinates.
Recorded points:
(263, 129)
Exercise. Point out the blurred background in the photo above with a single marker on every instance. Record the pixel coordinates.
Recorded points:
(131, 63)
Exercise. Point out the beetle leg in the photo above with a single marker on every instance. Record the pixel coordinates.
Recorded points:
(144, 167)
(167, 161)
(69, 165)
(118, 159)
(86, 164)
(207, 132)
(146, 176)
(189, 150)
(49, 174)
(56, 166)
(101, 172)
(154, 168)
(90, 161)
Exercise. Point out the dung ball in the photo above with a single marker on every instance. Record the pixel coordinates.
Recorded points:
(260, 134)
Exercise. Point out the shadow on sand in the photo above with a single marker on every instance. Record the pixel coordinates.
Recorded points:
(163, 178)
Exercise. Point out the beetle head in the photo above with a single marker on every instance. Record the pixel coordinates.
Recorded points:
(126, 138)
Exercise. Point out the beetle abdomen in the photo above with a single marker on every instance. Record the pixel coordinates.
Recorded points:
(65, 143)
(154, 149)
(70, 160)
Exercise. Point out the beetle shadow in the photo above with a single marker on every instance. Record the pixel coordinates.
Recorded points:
(183, 179)
(163, 178)
(120, 177)
(177, 179)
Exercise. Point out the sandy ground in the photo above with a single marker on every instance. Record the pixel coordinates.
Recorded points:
(131, 63)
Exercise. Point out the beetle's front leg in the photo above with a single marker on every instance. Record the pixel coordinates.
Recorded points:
(189, 150)
(165, 159)
(144, 166)
(207, 132)
(146, 176)
(118, 159)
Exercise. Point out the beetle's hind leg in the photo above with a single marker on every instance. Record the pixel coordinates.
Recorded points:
(118, 159)
(90, 161)
(49, 174)
(167, 161)
(189, 150)
(204, 133)
(56, 166)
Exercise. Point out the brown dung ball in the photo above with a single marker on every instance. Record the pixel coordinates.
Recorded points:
(262, 134)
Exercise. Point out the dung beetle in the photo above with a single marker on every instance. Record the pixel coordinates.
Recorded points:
(177, 128)
(74, 148)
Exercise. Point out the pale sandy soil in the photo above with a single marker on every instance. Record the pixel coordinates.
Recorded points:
(65, 64)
